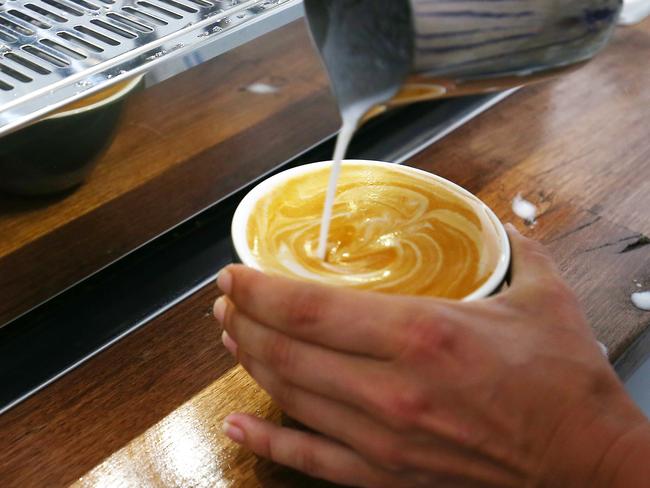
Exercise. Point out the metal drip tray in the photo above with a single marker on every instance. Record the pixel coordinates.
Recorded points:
(53, 52)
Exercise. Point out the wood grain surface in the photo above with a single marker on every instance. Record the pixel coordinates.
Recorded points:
(182, 145)
(147, 411)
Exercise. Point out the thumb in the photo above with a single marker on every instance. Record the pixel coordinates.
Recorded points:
(537, 286)
(532, 265)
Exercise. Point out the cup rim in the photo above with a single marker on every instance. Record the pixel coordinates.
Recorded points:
(105, 101)
(239, 226)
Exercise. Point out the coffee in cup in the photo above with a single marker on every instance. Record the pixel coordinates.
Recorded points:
(394, 229)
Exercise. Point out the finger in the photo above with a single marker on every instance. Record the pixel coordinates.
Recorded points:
(337, 420)
(347, 320)
(532, 265)
(311, 454)
(342, 377)
(381, 446)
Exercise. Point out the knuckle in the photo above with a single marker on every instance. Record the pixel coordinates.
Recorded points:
(534, 251)
(542, 263)
(388, 455)
(556, 292)
(565, 304)
(553, 299)
(284, 396)
(279, 352)
(243, 283)
(501, 301)
(231, 319)
(246, 362)
(305, 308)
(264, 446)
(475, 439)
(309, 463)
(403, 409)
(428, 337)
(533, 247)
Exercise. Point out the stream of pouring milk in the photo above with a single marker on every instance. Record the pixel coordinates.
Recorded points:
(367, 59)
(342, 143)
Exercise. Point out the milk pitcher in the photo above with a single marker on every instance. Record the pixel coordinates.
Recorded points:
(381, 53)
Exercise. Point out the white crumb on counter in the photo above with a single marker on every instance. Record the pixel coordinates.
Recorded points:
(262, 88)
(641, 300)
(524, 209)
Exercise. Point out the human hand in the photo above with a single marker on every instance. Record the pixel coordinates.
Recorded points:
(508, 391)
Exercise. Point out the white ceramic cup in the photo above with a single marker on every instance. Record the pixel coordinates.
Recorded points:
(246, 206)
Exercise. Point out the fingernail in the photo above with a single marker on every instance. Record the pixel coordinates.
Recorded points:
(233, 432)
(229, 343)
(219, 309)
(224, 281)
(511, 227)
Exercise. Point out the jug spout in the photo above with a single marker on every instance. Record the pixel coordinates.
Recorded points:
(367, 47)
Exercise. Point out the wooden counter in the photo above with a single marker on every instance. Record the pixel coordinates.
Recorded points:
(148, 411)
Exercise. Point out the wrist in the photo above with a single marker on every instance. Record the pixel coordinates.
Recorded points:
(626, 464)
(600, 445)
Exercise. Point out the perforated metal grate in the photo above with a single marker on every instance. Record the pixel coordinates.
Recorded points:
(55, 51)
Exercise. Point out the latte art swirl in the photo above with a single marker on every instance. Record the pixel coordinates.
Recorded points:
(392, 231)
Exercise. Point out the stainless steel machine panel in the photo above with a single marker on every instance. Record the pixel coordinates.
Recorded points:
(53, 52)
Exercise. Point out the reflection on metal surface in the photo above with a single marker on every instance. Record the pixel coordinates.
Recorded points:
(53, 52)
(634, 11)
(187, 448)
